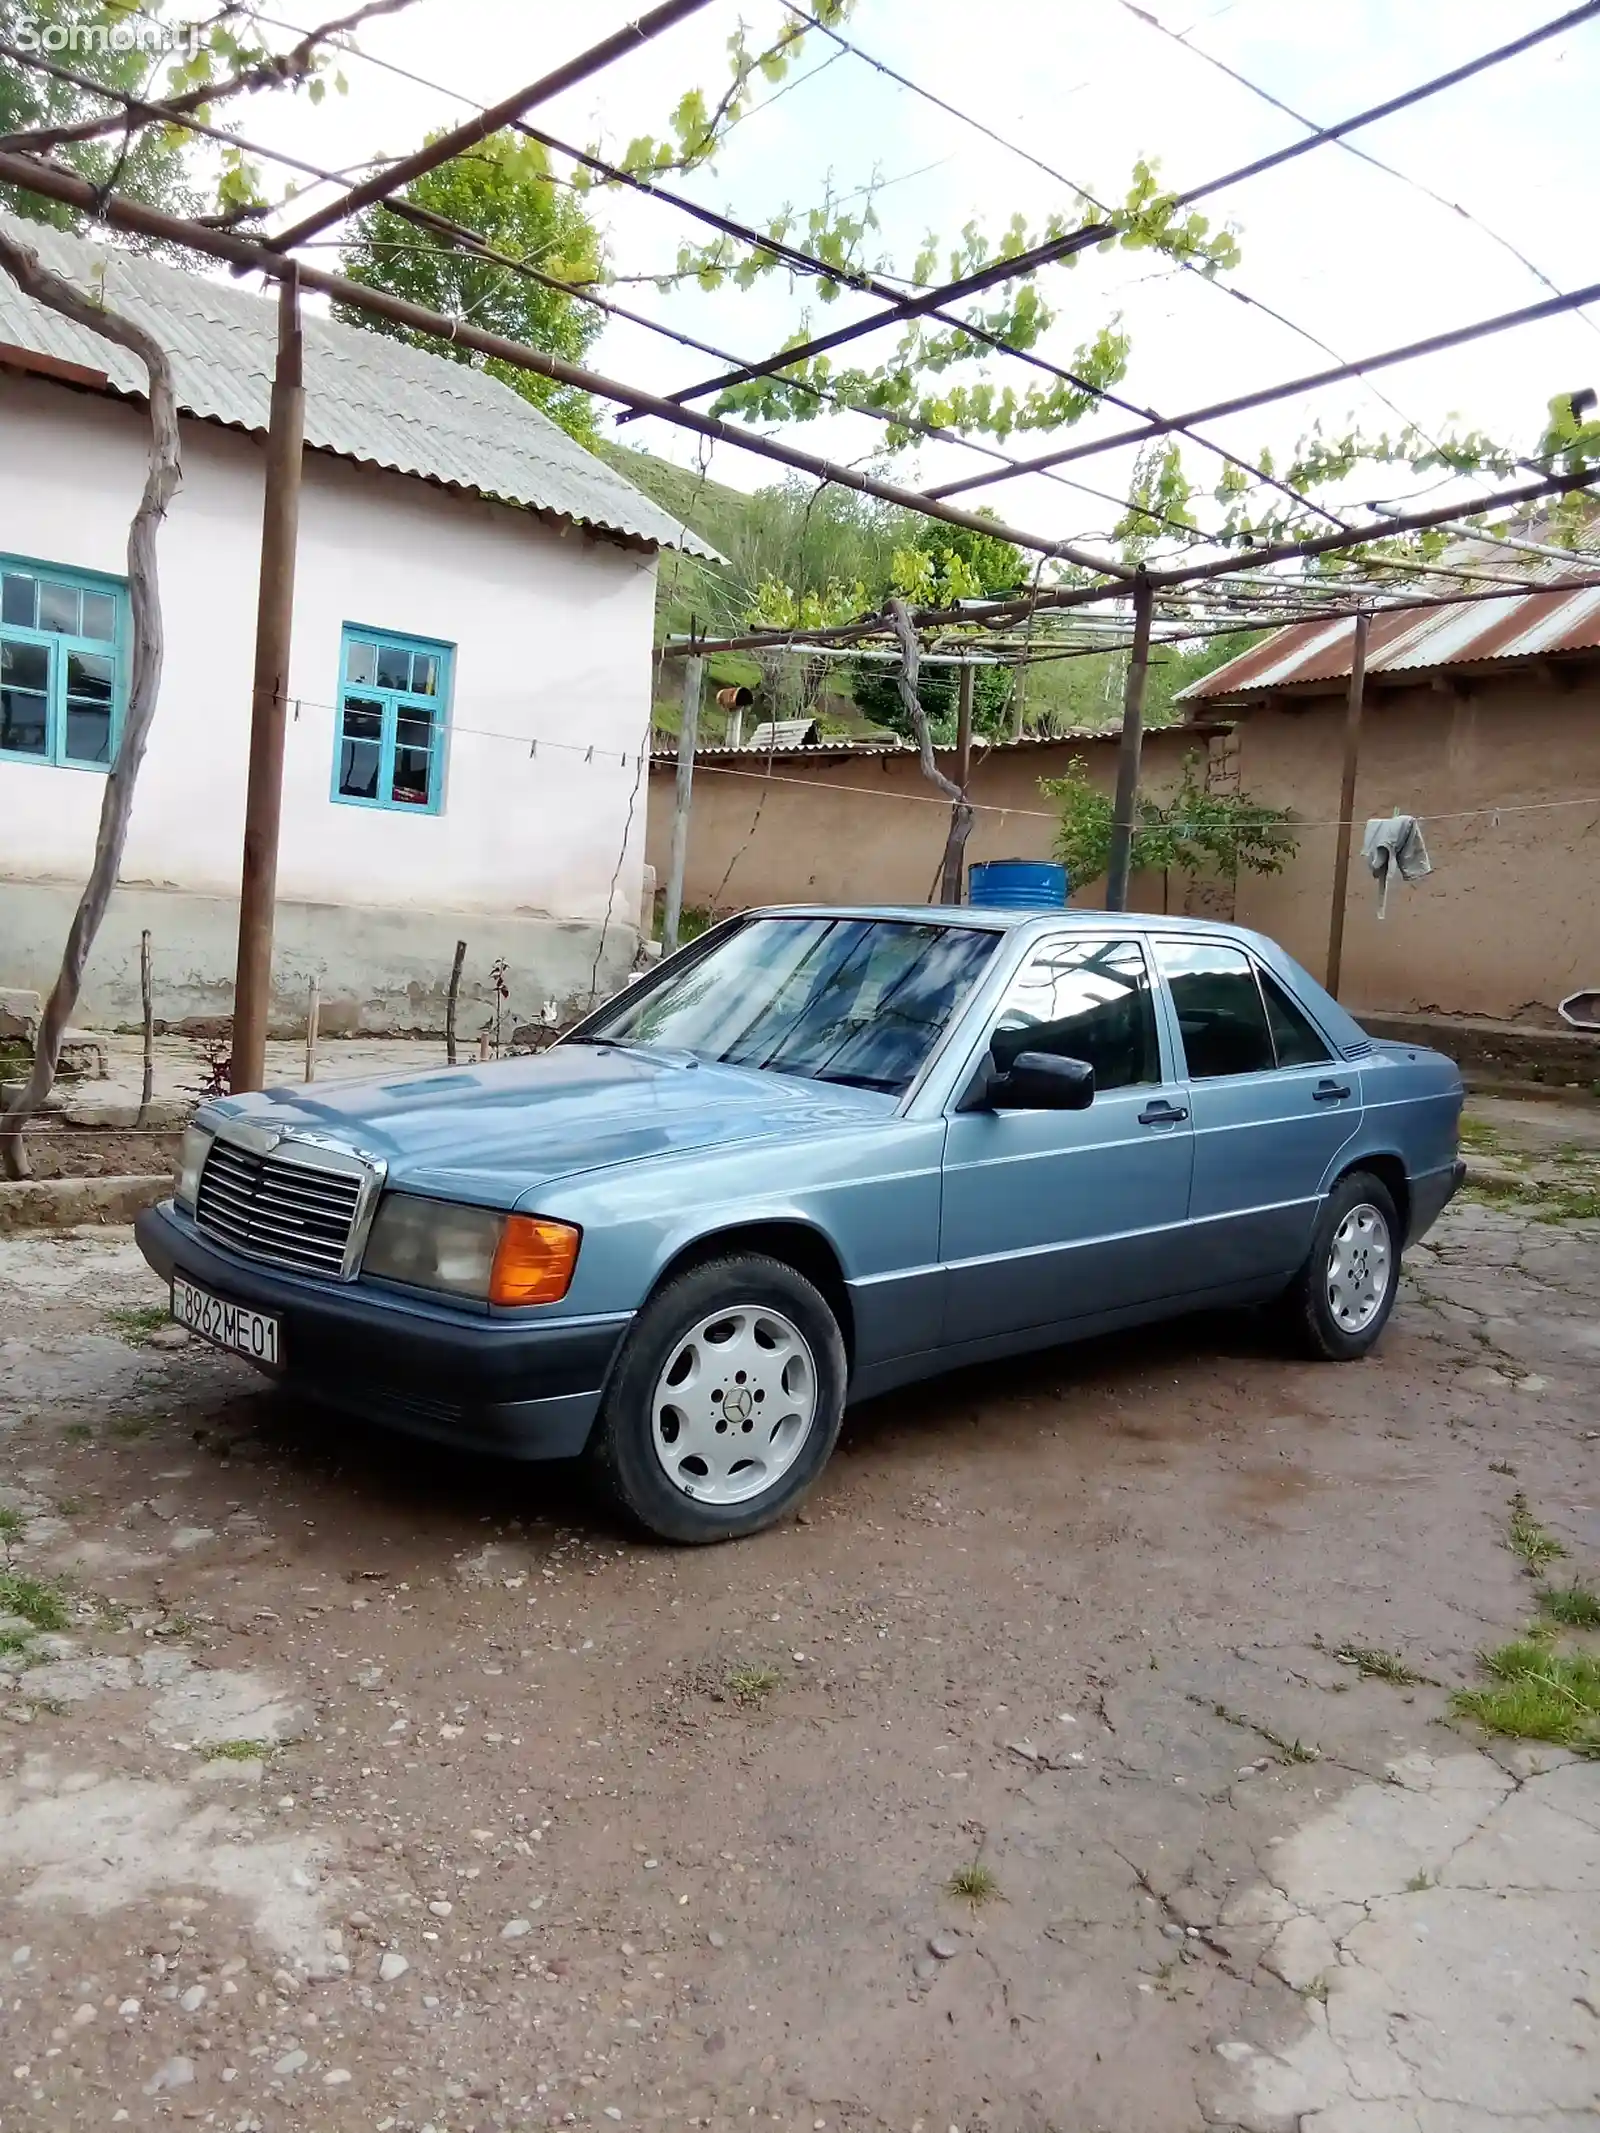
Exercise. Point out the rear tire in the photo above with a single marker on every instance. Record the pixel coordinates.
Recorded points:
(1340, 1301)
(725, 1402)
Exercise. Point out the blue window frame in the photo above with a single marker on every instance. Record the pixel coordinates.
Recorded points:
(394, 709)
(63, 664)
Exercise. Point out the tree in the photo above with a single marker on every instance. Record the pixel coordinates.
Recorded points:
(111, 41)
(162, 481)
(503, 192)
(1195, 832)
(938, 566)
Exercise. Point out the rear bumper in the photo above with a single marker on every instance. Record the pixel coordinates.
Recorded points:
(497, 1385)
(1431, 1194)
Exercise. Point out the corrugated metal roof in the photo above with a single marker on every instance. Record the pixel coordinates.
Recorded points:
(838, 751)
(1521, 626)
(368, 398)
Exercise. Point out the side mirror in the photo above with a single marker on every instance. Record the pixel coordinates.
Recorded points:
(1043, 1081)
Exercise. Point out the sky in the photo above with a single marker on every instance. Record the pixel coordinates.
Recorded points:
(1356, 259)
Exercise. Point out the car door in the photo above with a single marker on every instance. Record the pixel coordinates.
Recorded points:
(1270, 1105)
(1049, 1217)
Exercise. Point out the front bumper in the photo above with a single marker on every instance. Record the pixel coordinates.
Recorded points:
(487, 1384)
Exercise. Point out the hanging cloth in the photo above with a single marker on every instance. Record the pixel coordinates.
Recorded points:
(1393, 846)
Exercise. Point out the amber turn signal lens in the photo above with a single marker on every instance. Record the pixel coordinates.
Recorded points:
(534, 1261)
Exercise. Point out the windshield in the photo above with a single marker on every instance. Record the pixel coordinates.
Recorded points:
(857, 1000)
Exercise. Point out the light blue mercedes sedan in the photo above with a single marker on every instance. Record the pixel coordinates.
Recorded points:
(816, 1154)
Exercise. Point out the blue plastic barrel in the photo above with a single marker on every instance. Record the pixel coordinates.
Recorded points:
(1018, 884)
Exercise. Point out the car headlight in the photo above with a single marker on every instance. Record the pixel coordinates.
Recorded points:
(471, 1251)
(192, 1152)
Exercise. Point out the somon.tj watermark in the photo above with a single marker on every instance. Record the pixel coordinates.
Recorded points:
(159, 40)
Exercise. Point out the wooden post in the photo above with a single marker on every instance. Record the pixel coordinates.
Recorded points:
(483, 1044)
(694, 669)
(451, 997)
(1347, 801)
(955, 847)
(1126, 812)
(313, 1006)
(147, 1000)
(263, 806)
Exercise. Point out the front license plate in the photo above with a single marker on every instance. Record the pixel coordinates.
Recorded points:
(249, 1333)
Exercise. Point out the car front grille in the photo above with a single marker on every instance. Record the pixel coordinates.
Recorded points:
(297, 1214)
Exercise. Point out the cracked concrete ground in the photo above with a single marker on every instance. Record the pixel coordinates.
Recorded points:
(369, 1789)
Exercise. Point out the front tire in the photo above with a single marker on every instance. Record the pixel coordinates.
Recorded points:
(1340, 1301)
(725, 1402)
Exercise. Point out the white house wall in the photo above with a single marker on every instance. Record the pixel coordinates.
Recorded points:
(552, 644)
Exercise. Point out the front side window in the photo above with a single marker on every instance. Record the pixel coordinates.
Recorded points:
(1084, 999)
(855, 1000)
(61, 688)
(1219, 1008)
(394, 700)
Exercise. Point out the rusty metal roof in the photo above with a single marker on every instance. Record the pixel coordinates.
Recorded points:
(1416, 640)
(368, 398)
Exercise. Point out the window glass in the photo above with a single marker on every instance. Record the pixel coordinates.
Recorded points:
(360, 663)
(394, 667)
(1084, 999)
(24, 698)
(854, 1000)
(99, 621)
(1296, 1042)
(58, 608)
(88, 723)
(360, 749)
(1219, 1010)
(19, 600)
(413, 757)
(424, 674)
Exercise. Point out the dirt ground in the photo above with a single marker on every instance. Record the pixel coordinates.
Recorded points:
(369, 1788)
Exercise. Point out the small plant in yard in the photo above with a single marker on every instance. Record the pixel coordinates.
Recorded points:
(77, 1433)
(752, 1684)
(1419, 1882)
(1572, 1607)
(131, 1426)
(12, 1527)
(973, 1883)
(136, 1322)
(1502, 1466)
(1539, 1694)
(238, 1751)
(36, 1601)
(1527, 1538)
(1377, 1665)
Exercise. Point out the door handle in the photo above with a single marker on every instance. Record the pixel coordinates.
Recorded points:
(1161, 1113)
(1330, 1092)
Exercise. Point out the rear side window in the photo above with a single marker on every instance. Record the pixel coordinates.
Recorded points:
(1084, 1000)
(1219, 1009)
(1297, 1043)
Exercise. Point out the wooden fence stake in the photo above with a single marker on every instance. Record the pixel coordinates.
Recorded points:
(147, 999)
(483, 1044)
(313, 1009)
(450, 1004)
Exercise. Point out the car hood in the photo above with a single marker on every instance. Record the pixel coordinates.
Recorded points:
(491, 1132)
